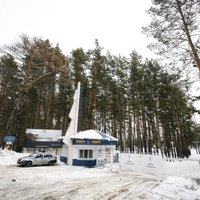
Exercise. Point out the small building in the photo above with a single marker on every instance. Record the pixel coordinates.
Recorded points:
(91, 148)
(43, 140)
(85, 148)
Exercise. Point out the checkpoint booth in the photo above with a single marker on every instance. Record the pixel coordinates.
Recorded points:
(92, 148)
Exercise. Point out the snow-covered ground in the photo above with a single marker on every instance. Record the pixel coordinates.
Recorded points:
(69, 182)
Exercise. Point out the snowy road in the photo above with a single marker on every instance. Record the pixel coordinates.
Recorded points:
(58, 182)
(182, 182)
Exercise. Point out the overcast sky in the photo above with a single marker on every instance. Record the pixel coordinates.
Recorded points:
(77, 23)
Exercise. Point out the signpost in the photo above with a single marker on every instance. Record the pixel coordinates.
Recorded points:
(9, 139)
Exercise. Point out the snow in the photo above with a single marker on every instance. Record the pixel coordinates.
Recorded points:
(93, 134)
(45, 134)
(10, 157)
(70, 182)
(178, 188)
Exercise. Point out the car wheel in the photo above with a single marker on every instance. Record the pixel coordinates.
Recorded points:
(29, 164)
(50, 163)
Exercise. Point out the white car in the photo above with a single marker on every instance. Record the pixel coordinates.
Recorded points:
(37, 159)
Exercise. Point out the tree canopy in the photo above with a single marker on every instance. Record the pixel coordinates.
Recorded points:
(176, 27)
(136, 101)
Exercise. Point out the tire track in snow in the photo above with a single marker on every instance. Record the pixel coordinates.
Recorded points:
(117, 187)
(111, 185)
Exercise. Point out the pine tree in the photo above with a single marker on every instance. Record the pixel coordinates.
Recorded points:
(175, 25)
(38, 62)
(8, 93)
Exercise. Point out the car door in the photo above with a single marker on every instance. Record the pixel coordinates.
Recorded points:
(46, 159)
(38, 159)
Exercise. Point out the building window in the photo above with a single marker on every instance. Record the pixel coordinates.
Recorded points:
(81, 153)
(90, 154)
(85, 153)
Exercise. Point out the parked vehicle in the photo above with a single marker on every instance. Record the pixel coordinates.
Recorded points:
(37, 159)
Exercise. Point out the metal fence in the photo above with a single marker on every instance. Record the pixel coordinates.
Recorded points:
(182, 167)
(158, 165)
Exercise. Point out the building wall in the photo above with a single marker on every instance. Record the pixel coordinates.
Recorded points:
(101, 154)
(76, 149)
(63, 154)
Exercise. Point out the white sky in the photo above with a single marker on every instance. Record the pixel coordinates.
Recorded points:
(77, 23)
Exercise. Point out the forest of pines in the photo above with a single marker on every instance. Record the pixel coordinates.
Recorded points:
(136, 101)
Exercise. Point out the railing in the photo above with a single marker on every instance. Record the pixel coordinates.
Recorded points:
(182, 167)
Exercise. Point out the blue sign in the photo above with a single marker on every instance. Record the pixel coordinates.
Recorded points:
(92, 142)
(9, 138)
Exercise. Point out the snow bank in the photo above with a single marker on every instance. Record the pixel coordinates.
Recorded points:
(178, 188)
(8, 157)
(194, 155)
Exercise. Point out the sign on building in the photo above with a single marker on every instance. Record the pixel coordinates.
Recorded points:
(36, 138)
